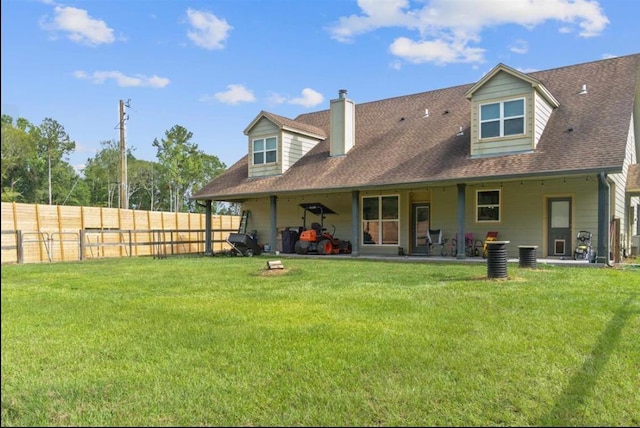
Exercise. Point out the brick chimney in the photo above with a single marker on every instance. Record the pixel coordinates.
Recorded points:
(343, 120)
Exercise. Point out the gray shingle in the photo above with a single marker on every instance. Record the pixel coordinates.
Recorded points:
(396, 145)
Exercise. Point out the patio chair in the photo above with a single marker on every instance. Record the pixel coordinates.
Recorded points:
(471, 247)
(491, 236)
(434, 239)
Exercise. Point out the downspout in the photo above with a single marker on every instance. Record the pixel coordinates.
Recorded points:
(603, 219)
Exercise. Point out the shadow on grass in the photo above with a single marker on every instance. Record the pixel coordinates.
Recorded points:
(566, 411)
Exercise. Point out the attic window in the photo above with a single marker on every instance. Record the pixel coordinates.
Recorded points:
(502, 119)
(265, 150)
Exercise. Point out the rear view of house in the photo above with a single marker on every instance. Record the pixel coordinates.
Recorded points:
(536, 157)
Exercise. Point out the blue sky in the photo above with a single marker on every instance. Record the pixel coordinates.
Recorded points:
(212, 66)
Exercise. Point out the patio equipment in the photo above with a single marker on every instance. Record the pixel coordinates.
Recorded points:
(317, 239)
(471, 247)
(435, 242)
(583, 248)
(244, 244)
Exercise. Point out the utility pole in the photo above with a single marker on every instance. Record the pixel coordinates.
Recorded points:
(124, 194)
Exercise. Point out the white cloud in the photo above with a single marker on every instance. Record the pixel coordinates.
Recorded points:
(377, 14)
(519, 47)
(207, 30)
(447, 28)
(437, 51)
(235, 95)
(79, 26)
(122, 80)
(309, 98)
(527, 70)
(275, 99)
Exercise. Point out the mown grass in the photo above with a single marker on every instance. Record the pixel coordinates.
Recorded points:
(221, 341)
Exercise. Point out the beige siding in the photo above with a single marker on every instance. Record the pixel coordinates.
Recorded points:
(496, 146)
(342, 121)
(636, 123)
(503, 86)
(289, 214)
(294, 146)
(620, 180)
(262, 129)
(444, 210)
(541, 114)
(620, 204)
(259, 219)
(523, 212)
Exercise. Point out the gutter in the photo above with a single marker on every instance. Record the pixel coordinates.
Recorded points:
(234, 197)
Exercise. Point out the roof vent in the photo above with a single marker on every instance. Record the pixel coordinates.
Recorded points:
(584, 90)
(342, 93)
(426, 113)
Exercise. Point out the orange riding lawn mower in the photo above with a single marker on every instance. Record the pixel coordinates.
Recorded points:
(316, 239)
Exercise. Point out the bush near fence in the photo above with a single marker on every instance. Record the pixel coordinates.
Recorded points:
(53, 232)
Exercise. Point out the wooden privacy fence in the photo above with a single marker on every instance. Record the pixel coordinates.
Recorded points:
(33, 233)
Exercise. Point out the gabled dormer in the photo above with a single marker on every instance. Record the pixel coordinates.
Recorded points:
(509, 111)
(276, 143)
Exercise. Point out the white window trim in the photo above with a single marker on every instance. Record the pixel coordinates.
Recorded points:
(501, 118)
(381, 220)
(499, 205)
(265, 151)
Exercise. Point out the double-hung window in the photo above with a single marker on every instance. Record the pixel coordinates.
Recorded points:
(380, 220)
(488, 206)
(502, 119)
(265, 150)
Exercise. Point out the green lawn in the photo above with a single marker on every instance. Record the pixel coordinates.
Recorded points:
(222, 341)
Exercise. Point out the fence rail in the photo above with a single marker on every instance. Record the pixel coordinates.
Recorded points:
(19, 247)
(48, 233)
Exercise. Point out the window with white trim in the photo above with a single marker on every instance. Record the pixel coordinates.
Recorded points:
(265, 150)
(488, 206)
(380, 220)
(502, 119)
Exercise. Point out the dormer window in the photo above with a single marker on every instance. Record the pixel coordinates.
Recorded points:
(502, 119)
(265, 150)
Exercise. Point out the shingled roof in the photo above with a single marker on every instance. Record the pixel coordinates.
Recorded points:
(288, 124)
(395, 145)
(633, 180)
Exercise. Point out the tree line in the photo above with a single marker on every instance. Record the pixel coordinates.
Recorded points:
(36, 170)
